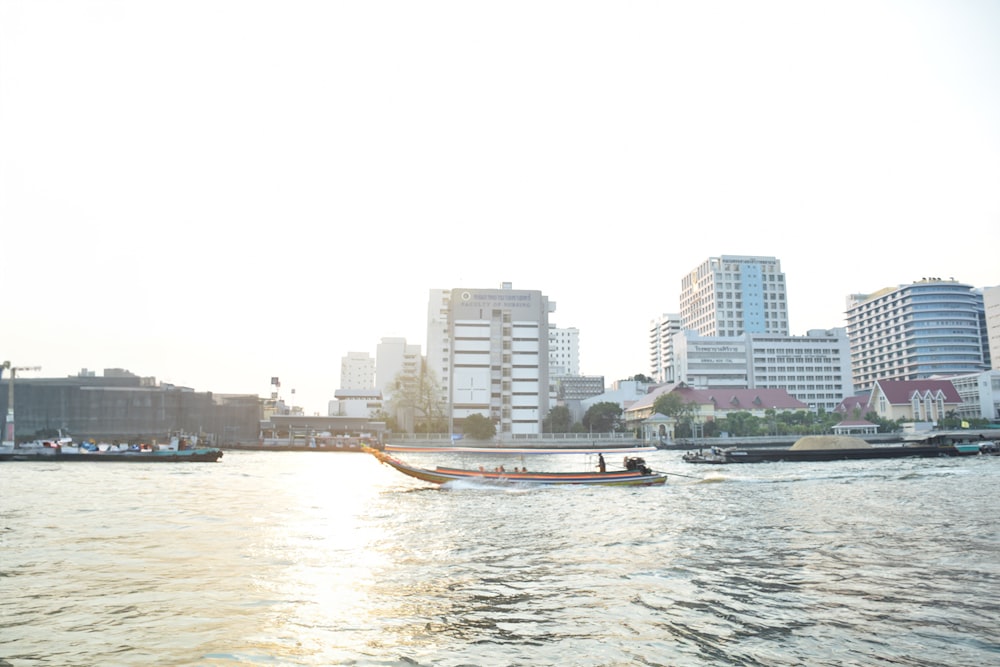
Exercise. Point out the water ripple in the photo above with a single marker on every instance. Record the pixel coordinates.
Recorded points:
(322, 559)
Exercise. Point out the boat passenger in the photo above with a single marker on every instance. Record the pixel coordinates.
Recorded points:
(600, 463)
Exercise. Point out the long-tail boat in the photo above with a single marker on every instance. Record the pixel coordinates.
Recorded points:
(636, 473)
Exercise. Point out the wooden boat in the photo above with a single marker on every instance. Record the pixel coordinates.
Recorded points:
(636, 474)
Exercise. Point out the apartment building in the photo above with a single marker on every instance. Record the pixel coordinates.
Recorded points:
(395, 358)
(357, 371)
(564, 351)
(661, 346)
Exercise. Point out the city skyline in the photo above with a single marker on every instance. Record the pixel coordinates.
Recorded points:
(288, 186)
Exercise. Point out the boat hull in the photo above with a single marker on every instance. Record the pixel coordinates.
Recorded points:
(168, 456)
(750, 455)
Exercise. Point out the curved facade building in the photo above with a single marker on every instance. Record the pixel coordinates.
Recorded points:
(928, 328)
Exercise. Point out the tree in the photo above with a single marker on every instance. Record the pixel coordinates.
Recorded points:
(884, 425)
(639, 377)
(479, 427)
(559, 420)
(416, 401)
(381, 415)
(682, 412)
(604, 417)
(672, 405)
(739, 424)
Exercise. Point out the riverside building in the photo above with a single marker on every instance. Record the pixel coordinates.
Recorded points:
(929, 328)
(661, 347)
(122, 406)
(489, 348)
(815, 368)
(395, 359)
(357, 371)
(991, 304)
(735, 294)
(564, 351)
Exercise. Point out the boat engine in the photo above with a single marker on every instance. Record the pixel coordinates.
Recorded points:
(637, 463)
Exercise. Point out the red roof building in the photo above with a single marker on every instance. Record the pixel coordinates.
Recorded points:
(914, 400)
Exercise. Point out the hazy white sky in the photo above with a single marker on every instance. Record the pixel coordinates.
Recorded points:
(217, 192)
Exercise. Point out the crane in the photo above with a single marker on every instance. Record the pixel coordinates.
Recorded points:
(8, 439)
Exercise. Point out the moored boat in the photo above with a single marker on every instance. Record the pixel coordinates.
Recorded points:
(65, 450)
(636, 473)
(714, 455)
(838, 448)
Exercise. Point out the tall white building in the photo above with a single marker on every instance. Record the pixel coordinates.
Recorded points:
(980, 394)
(489, 349)
(706, 362)
(395, 358)
(735, 294)
(439, 340)
(991, 304)
(564, 351)
(815, 368)
(357, 371)
(661, 346)
(929, 328)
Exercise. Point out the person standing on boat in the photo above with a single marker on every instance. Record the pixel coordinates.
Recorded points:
(600, 463)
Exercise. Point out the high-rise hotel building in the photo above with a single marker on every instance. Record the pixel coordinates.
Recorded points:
(735, 294)
(928, 328)
(489, 348)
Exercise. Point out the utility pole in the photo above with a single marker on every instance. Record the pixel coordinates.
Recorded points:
(8, 440)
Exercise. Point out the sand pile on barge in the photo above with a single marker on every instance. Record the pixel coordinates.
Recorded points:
(829, 442)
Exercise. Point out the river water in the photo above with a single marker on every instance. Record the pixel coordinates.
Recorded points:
(321, 558)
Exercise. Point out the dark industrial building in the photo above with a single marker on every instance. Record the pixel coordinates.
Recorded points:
(124, 407)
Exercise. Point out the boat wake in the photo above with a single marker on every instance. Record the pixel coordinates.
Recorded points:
(492, 487)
